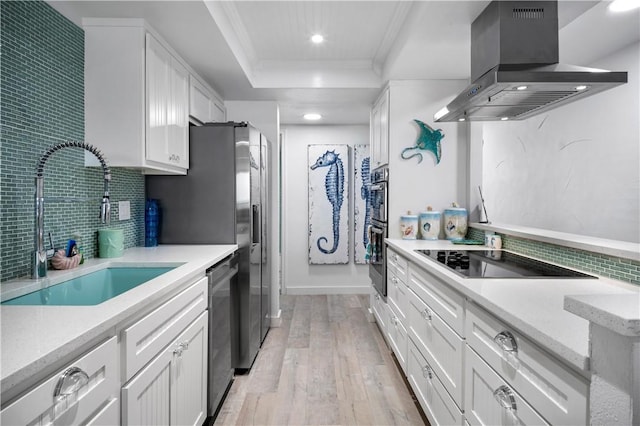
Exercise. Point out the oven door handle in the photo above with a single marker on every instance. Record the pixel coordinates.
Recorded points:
(376, 231)
(377, 187)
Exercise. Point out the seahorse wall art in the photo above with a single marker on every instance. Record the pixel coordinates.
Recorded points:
(428, 140)
(362, 201)
(328, 204)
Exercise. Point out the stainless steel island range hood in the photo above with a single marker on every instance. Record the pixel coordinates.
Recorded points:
(514, 66)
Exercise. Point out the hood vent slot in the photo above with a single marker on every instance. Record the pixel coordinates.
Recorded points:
(528, 13)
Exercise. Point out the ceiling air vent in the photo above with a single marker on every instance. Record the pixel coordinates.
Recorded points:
(528, 13)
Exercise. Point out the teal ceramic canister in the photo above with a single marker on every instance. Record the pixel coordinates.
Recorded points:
(409, 226)
(455, 222)
(429, 224)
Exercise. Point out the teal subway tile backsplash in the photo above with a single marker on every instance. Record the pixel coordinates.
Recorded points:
(42, 104)
(601, 264)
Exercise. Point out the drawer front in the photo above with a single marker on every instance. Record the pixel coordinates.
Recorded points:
(397, 264)
(398, 339)
(108, 416)
(558, 394)
(447, 303)
(147, 337)
(397, 296)
(482, 406)
(37, 407)
(439, 344)
(379, 311)
(434, 399)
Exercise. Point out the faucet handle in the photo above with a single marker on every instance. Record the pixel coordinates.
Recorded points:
(105, 210)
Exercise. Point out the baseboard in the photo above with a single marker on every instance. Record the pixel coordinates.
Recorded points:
(276, 320)
(309, 290)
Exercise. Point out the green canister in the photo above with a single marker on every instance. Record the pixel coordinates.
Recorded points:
(110, 243)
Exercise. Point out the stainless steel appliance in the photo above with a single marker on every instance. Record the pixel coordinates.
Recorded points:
(222, 278)
(497, 264)
(224, 199)
(378, 230)
(514, 66)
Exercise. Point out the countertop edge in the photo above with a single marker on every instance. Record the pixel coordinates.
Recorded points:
(591, 308)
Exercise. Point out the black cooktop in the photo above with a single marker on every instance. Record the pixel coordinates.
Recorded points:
(498, 264)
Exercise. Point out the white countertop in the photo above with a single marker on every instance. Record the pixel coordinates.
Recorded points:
(617, 312)
(36, 336)
(533, 306)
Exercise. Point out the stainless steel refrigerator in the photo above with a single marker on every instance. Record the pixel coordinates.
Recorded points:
(224, 199)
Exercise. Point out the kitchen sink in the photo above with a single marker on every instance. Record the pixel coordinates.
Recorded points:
(91, 289)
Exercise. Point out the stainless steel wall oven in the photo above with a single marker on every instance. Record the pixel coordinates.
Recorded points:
(378, 230)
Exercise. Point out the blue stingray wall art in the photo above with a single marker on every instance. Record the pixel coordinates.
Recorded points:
(328, 204)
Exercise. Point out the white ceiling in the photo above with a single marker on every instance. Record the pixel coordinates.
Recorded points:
(260, 50)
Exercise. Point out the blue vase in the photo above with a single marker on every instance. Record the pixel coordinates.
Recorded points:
(151, 223)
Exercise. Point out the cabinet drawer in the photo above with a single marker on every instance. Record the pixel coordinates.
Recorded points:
(433, 398)
(447, 303)
(397, 296)
(147, 337)
(438, 343)
(482, 406)
(379, 311)
(108, 416)
(397, 264)
(558, 394)
(37, 407)
(397, 338)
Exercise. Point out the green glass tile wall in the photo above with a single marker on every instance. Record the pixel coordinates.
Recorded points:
(42, 104)
(600, 264)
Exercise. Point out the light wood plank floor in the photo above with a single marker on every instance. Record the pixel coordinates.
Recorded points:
(326, 365)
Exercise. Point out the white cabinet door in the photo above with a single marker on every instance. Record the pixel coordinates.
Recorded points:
(375, 136)
(384, 129)
(178, 122)
(167, 107)
(489, 400)
(190, 375)
(200, 101)
(218, 112)
(171, 389)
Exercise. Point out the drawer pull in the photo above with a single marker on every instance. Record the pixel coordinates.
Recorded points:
(427, 373)
(180, 348)
(377, 297)
(426, 314)
(506, 341)
(69, 383)
(505, 397)
(394, 280)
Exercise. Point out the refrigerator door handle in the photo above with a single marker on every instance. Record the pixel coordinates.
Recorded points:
(255, 223)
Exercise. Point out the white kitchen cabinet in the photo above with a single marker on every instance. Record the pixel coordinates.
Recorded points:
(92, 400)
(378, 306)
(489, 400)
(557, 393)
(204, 106)
(438, 344)
(379, 131)
(136, 97)
(431, 394)
(172, 388)
(397, 337)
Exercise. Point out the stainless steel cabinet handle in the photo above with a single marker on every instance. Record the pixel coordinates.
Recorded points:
(69, 383)
(505, 397)
(181, 348)
(426, 314)
(427, 372)
(506, 341)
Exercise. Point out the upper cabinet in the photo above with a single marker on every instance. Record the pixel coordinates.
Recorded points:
(137, 97)
(379, 128)
(204, 105)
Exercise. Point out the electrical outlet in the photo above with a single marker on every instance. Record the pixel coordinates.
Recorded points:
(124, 210)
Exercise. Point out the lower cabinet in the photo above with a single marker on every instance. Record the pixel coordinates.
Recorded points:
(397, 337)
(172, 388)
(489, 400)
(432, 396)
(378, 306)
(84, 392)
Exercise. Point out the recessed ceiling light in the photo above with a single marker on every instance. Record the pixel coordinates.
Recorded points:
(521, 88)
(317, 38)
(623, 5)
(312, 116)
(461, 119)
(581, 87)
(504, 118)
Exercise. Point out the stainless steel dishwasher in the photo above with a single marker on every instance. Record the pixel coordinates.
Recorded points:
(222, 277)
